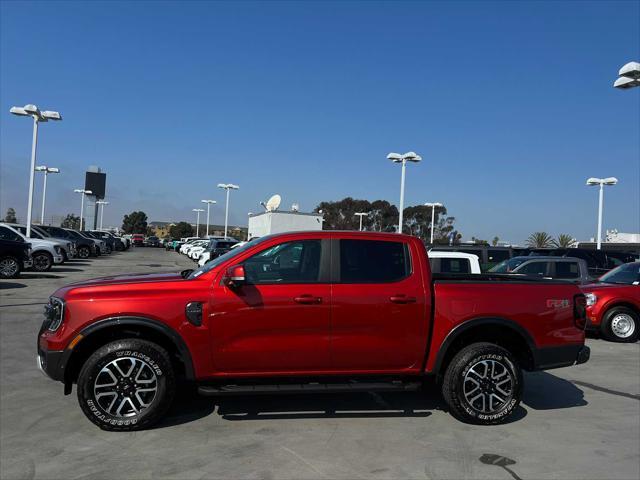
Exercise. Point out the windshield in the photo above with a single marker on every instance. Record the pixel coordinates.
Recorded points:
(510, 265)
(207, 267)
(627, 274)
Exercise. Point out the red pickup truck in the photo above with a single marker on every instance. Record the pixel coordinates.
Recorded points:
(308, 312)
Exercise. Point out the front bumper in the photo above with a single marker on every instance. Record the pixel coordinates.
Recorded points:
(558, 357)
(58, 258)
(51, 363)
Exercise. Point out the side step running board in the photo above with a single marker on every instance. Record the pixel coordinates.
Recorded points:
(288, 388)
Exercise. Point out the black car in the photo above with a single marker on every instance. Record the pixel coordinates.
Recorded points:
(152, 241)
(85, 248)
(14, 256)
(219, 246)
(105, 237)
(599, 262)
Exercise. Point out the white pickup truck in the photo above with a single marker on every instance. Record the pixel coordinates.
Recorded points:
(453, 262)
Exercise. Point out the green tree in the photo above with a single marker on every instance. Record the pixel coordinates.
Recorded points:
(564, 240)
(181, 230)
(495, 241)
(341, 215)
(479, 241)
(135, 222)
(150, 231)
(10, 217)
(71, 221)
(539, 240)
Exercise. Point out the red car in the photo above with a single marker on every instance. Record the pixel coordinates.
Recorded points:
(308, 312)
(613, 304)
(137, 239)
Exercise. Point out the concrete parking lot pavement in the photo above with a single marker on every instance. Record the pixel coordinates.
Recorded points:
(575, 423)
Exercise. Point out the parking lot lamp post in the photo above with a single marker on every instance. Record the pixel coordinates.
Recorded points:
(628, 76)
(83, 192)
(38, 116)
(46, 171)
(102, 203)
(602, 182)
(361, 214)
(227, 187)
(433, 215)
(403, 159)
(208, 202)
(198, 210)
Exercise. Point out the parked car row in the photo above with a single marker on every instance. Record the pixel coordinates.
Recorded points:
(203, 250)
(48, 246)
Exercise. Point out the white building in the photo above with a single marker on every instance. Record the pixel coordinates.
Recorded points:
(613, 236)
(266, 223)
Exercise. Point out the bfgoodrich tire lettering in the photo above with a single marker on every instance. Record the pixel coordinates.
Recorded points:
(482, 384)
(621, 324)
(126, 385)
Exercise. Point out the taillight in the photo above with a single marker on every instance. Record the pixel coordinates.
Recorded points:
(580, 311)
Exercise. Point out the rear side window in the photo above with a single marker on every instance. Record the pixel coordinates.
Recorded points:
(373, 261)
(496, 256)
(8, 234)
(455, 265)
(533, 268)
(567, 270)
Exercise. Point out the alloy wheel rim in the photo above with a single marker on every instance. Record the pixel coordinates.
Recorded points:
(8, 267)
(488, 386)
(41, 262)
(623, 325)
(125, 387)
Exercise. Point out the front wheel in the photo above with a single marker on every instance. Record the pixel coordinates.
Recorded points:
(126, 385)
(620, 324)
(482, 384)
(9, 267)
(42, 261)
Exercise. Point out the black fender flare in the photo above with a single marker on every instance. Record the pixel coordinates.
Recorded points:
(458, 330)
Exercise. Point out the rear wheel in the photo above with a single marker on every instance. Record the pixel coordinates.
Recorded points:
(42, 261)
(482, 384)
(126, 385)
(84, 252)
(620, 324)
(9, 267)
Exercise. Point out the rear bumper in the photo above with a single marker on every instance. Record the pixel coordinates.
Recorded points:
(558, 357)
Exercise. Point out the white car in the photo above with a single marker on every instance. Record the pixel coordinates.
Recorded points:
(189, 241)
(189, 246)
(453, 262)
(44, 253)
(196, 251)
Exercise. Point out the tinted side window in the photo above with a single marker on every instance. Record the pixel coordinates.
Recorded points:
(496, 256)
(567, 270)
(373, 261)
(7, 234)
(290, 262)
(533, 268)
(455, 265)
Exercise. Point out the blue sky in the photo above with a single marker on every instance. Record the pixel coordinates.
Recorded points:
(510, 104)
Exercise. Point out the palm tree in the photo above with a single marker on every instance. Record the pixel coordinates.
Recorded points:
(539, 240)
(564, 240)
(495, 241)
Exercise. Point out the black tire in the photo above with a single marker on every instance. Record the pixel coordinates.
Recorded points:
(42, 261)
(9, 267)
(620, 324)
(461, 377)
(84, 252)
(107, 410)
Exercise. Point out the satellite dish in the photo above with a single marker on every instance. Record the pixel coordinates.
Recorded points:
(273, 203)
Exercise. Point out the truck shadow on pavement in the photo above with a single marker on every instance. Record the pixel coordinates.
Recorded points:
(10, 285)
(543, 391)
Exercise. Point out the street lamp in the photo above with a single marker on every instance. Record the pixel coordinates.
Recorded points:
(361, 214)
(46, 170)
(208, 202)
(83, 192)
(198, 210)
(592, 182)
(38, 116)
(433, 215)
(227, 187)
(403, 159)
(628, 76)
(102, 203)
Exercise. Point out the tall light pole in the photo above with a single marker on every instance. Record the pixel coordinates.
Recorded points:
(102, 203)
(628, 76)
(208, 202)
(361, 214)
(198, 210)
(602, 182)
(433, 215)
(38, 116)
(46, 170)
(83, 192)
(227, 187)
(403, 159)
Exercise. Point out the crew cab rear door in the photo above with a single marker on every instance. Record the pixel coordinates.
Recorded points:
(379, 305)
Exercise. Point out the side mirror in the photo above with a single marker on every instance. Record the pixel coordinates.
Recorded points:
(234, 276)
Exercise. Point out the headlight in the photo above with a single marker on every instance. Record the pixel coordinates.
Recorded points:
(54, 313)
(57, 249)
(591, 299)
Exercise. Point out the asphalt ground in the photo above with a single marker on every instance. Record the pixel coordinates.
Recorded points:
(575, 423)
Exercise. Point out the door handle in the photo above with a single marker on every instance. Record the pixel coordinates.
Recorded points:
(307, 299)
(401, 298)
